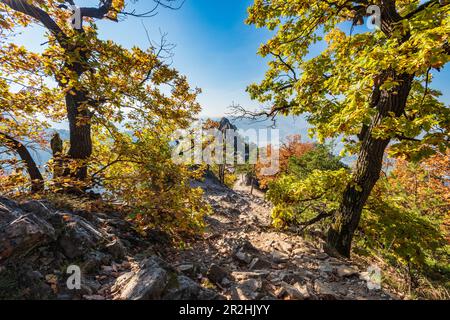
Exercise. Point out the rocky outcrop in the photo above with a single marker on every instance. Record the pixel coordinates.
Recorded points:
(20, 232)
(155, 279)
(38, 242)
(239, 257)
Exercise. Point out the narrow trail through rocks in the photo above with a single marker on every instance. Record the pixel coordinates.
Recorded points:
(243, 258)
(239, 257)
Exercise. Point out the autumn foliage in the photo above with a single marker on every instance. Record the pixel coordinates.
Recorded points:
(293, 147)
(120, 118)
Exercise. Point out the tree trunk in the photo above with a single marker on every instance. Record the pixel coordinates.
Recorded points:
(37, 181)
(368, 166)
(80, 133)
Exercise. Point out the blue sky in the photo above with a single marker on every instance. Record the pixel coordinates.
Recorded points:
(214, 48)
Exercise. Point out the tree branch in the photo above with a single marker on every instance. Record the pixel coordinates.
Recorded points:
(30, 10)
(37, 181)
(420, 8)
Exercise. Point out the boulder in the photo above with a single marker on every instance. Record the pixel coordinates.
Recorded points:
(154, 279)
(147, 283)
(20, 232)
(78, 236)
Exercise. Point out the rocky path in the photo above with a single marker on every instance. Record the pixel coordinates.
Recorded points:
(242, 257)
(239, 257)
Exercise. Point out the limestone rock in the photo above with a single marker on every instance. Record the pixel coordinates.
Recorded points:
(325, 290)
(346, 271)
(78, 236)
(20, 232)
(147, 283)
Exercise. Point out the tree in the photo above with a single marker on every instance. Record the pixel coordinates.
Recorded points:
(71, 59)
(293, 147)
(373, 86)
(308, 190)
(319, 158)
(25, 100)
(405, 220)
(121, 119)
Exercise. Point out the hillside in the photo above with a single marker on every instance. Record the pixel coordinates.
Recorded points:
(239, 257)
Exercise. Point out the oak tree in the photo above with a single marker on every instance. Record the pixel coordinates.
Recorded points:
(71, 59)
(372, 87)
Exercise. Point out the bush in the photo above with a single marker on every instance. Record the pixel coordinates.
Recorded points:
(155, 190)
(404, 221)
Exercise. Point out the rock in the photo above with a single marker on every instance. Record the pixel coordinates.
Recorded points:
(184, 288)
(18, 281)
(21, 232)
(243, 293)
(280, 293)
(324, 290)
(188, 269)
(116, 249)
(154, 279)
(303, 289)
(251, 284)
(225, 282)
(94, 260)
(78, 236)
(288, 276)
(326, 268)
(260, 264)
(148, 283)
(295, 292)
(39, 208)
(216, 274)
(279, 257)
(243, 257)
(241, 275)
(346, 271)
(247, 246)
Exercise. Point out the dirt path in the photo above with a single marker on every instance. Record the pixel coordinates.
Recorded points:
(242, 257)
